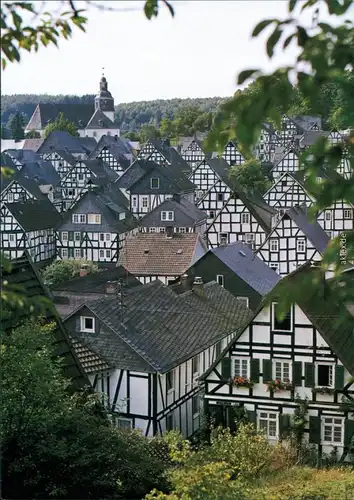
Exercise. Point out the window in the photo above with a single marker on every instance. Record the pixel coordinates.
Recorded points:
(324, 375)
(10, 197)
(101, 253)
(77, 253)
(101, 236)
(220, 279)
(94, 218)
(64, 236)
(145, 202)
(211, 214)
(281, 370)
(223, 238)
(80, 177)
(195, 365)
(108, 236)
(249, 239)
(282, 325)
(134, 200)
(301, 245)
(328, 215)
(169, 422)
(348, 213)
(167, 215)
(11, 237)
(245, 218)
(154, 183)
(218, 346)
(333, 431)
(244, 300)
(79, 219)
(169, 381)
(64, 253)
(77, 236)
(108, 254)
(220, 196)
(87, 324)
(195, 406)
(268, 423)
(241, 367)
(123, 423)
(274, 266)
(273, 245)
(205, 176)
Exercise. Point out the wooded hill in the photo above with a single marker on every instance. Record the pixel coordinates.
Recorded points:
(131, 116)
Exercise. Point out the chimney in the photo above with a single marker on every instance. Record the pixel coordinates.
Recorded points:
(198, 287)
(83, 270)
(169, 232)
(177, 197)
(183, 281)
(223, 241)
(110, 288)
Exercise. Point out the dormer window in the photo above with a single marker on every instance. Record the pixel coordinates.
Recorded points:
(87, 324)
(154, 183)
(167, 215)
(94, 218)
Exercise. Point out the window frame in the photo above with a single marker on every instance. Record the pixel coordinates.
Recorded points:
(241, 359)
(324, 363)
(172, 381)
(328, 212)
(195, 414)
(158, 183)
(247, 215)
(349, 212)
(218, 276)
(220, 197)
(274, 319)
(10, 197)
(196, 359)
(276, 420)
(242, 298)
(271, 242)
(96, 217)
(123, 419)
(301, 240)
(333, 425)
(64, 251)
(83, 327)
(144, 202)
(75, 236)
(77, 251)
(282, 362)
(108, 253)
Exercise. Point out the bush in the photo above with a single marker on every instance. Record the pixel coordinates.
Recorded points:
(64, 270)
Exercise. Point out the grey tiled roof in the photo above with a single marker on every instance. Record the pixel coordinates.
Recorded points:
(186, 214)
(100, 120)
(34, 215)
(221, 168)
(165, 329)
(311, 229)
(241, 260)
(61, 140)
(48, 112)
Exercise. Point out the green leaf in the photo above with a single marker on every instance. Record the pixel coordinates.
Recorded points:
(244, 75)
(302, 36)
(16, 19)
(288, 40)
(262, 26)
(151, 8)
(292, 5)
(272, 41)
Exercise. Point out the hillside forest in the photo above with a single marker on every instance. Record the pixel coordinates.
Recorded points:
(173, 118)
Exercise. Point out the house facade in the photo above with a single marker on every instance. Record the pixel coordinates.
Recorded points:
(274, 365)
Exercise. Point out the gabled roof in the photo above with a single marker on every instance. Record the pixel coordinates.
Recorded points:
(311, 136)
(95, 283)
(101, 169)
(186, 214)
(31, 173)
(100, 120)
(79, 114)
(162, 329)
(34, 215)
(66, 156)
(118, 148)
(281, 153)
(305, 122)
(172, 156)
(25, 276)
(221, 168)
(23, 155)
(154, 254)
(61, 140)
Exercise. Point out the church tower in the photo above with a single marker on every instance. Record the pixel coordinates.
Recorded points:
(104, 100)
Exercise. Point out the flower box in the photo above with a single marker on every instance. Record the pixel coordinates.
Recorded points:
(242, 382)
(278, 385)
(323, 390)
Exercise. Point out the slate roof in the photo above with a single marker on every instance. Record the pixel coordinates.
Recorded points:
(186, 214)
(45, 113)
(101, 169)
(34, 215)
(61, 140)
(65, 155)
(305, 122)
(28, 280)
(31, 174)
(163, 329)
(311, 136)
(95, 283)
(89, 360)
(221, 168)
(148, 254)
(120, 150)
(100, 120)
(23, 155)
(311, 229)
(171, 155)
(106, 201)
(140, 168)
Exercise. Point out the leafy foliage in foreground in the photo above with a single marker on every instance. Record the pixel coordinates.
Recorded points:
(64, 270)
(61, 123)
(57, 445)
(251, 177)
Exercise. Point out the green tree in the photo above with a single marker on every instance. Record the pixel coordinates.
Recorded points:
(63, 270)
(17, 127)
(61, 123)
(33, 134)
(167, 128)
(60, 445)
(251, 176)
(325, 54)
(147, 132)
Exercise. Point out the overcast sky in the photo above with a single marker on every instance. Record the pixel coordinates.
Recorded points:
(195, 54)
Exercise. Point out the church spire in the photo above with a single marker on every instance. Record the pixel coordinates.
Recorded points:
(104, 100)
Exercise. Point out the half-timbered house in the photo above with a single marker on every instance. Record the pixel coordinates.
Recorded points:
(292, 128)
(148, 184)
(114, 151)
(96, 226)
(294, 240)
(273, 363)
(206, 175)
(145, 350)
(242, 218)
(163, 256)
(267, 142)
(234, 267)
(85, 172)
(61, 160)
(175, 212)
(232, 154)
(29, 225)
(288, 191)
(60, 140)
(287, 161)
(337, 218)
(194, 153)
(160, 152)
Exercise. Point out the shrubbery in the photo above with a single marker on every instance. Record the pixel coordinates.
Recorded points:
(64, 270)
